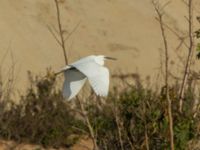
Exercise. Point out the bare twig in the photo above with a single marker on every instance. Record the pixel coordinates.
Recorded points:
(189, 56)
(88, 124)
(61, 32)
(160, 17)
(130, 143)
(118, 127)
(176, 34)
(62, 44)
(146, 129)
(74, 29)
(54, 35)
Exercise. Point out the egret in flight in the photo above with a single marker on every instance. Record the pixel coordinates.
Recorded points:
(88, 68)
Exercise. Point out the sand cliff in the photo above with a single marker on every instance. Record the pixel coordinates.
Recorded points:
(125, 29)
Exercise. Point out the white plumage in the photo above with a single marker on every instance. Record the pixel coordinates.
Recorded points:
(91, 68)
(74, 81)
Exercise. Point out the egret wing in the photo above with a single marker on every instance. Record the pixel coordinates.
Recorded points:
(97, 75)
(74, 81)
(84, 60)
(100, 82)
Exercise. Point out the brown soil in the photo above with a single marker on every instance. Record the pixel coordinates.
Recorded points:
(83, 144)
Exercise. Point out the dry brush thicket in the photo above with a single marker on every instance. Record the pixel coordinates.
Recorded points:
(132, 117)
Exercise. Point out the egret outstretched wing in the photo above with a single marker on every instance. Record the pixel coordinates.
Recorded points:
(97, 75)
(74, 81)
(100, 82)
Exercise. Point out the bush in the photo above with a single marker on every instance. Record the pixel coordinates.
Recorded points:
(139, 116)
(131, 117)
(42, 117)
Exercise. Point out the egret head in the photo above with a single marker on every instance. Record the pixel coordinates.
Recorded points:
(101, 58)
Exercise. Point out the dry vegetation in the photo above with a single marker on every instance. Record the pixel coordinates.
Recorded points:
(132, 117)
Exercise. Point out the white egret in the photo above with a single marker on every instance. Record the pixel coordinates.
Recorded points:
(91, 68)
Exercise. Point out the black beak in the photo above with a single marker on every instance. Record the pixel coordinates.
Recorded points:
(111, 58)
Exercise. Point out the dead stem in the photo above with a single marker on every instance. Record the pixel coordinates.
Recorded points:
(189, 57)
(170, 117)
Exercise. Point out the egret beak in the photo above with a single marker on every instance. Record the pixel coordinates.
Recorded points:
(111, 58)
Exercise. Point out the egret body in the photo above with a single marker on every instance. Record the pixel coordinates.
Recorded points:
(89, 68)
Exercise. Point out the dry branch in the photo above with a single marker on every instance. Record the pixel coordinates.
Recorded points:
(54, 35)
(88, 124)
(61, 32)
(189, 56)
(119, 128)
(62, 44)
(170, 117)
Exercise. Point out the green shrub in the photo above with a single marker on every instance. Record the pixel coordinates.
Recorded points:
(131, 117)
